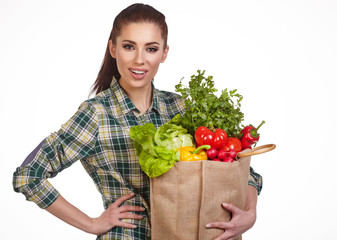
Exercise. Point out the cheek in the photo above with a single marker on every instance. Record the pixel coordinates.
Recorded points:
(156, 60)
(122, 60)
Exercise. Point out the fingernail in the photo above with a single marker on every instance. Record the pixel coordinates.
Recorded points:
(208, 225)
(224, 204)
(142, 209)
(131, 194)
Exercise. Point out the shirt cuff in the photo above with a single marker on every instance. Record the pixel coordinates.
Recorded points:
(255, 180)
(43, 193)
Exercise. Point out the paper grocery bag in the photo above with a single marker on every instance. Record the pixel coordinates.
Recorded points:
(189, 196)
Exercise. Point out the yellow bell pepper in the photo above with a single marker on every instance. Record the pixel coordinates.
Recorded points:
(193, 154)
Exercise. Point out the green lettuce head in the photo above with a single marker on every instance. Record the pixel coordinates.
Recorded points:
(157, 148)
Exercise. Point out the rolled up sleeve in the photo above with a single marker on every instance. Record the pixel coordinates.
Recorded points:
(255, 180)
(74, 141)
(35, 189)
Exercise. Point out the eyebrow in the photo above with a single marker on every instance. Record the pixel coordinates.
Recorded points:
(146, 44)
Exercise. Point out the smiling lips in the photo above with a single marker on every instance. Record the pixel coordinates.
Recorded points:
(138, 73)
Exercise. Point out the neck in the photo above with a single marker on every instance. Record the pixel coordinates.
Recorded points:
(141, 97)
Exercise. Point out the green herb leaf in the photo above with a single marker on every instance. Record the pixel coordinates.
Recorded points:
(204, 108)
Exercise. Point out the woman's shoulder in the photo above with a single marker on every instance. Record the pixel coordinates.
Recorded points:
(99, 102)
(101, 98)
(168, 97)
(170, 103)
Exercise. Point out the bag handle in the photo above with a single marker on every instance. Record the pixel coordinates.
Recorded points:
(257, 150)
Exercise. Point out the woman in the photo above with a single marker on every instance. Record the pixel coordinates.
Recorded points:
(98, 136)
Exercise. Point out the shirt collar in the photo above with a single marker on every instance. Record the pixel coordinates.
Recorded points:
(156, 97)
(125, 102)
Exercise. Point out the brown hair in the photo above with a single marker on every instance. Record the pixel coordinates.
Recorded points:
(135, 13)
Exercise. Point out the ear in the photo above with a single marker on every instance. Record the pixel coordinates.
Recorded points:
(165, 54)
(112, 49)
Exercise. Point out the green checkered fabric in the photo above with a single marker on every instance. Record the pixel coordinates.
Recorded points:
(98, 136)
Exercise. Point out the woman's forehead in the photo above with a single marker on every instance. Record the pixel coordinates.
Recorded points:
(141, 32)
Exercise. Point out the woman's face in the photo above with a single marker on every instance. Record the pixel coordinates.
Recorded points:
(138, 51)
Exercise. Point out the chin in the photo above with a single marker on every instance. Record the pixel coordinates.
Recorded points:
(141, 84)
(135, 84)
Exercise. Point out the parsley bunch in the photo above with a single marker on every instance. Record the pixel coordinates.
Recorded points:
(204, 108)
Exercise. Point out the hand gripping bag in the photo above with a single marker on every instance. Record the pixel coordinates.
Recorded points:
(189, 195)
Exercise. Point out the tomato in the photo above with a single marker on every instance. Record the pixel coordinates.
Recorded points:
(228, 159)
(233, 144)
(220, 138)
(204, 136)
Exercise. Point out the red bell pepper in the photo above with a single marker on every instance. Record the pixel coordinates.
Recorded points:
(250, 136)
(220, 138)
(204, 136)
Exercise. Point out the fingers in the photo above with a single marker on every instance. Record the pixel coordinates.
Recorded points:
(130, 208)
(126, 225)
(225, 225)
(225, 236)
(130, 216)
(117, 213)
(122, 223)
(235, 227)
(123, 198)
(126, 208)
(231, 208)
(220, 225)
(229, 234)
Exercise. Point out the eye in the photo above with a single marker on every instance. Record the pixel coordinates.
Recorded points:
(152, 49)
(129, 47)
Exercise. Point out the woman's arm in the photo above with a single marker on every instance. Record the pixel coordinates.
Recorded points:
(75, 140)
(110, 217)
(241, 220)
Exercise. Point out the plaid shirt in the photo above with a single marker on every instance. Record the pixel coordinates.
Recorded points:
(98, 136)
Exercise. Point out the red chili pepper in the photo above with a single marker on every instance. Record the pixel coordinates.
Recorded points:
(250, 136)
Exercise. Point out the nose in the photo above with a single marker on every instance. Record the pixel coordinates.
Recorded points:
(139, 57)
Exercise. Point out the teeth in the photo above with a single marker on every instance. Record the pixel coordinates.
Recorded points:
(137, 72)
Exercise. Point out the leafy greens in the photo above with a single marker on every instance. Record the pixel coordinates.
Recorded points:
(204, 108)
(157, 149)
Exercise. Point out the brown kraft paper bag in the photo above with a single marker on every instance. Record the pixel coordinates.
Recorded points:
(189, 196)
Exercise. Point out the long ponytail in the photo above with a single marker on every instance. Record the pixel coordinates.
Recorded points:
(106, 73)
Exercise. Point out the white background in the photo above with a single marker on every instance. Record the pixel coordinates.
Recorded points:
(280, 55)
